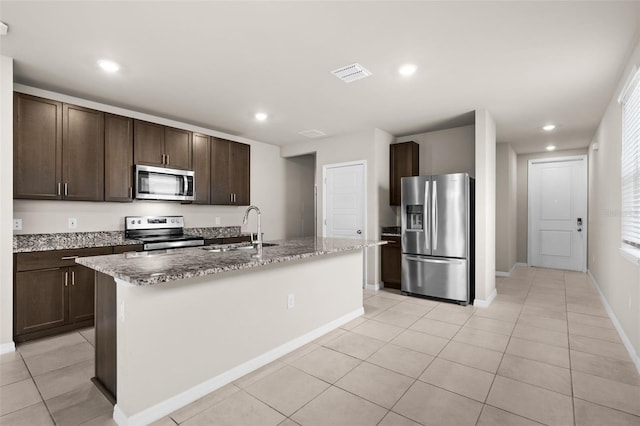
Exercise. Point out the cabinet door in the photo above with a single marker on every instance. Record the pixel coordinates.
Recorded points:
(403, 162)
(82, 154)
(220, 170)
(240, 159)
(81, 293)
(202, 168)
(37, 147)
(391, 261)
(40, 300)
(148, 143)
(177, 147)
(118, 158)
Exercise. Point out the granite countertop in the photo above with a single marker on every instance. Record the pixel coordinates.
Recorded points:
(148, 268)
(25, 243)
(391, 231)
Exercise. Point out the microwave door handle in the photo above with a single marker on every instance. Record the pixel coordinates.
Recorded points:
(186, 185)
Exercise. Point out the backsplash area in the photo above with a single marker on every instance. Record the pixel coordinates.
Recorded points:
(40, 217)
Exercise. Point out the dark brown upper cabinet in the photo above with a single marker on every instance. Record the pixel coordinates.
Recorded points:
(118, 157)
(82, 154)
(230, 171)
(403, 161)
(58, 150)
(202, 168)
(37, 148)
(157, 145)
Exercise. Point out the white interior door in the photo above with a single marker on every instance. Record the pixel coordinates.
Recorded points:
(558, 213)
(344, 201)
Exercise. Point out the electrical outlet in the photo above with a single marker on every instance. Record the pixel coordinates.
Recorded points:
(290, 301)
(17, 224)
(73, 223)
(217, 221)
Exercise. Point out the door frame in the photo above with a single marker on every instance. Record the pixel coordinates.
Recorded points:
(324, 192)
(585, 177)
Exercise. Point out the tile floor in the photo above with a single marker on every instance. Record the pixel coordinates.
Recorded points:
(544, 352)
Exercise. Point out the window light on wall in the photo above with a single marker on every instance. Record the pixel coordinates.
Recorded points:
(630, 101)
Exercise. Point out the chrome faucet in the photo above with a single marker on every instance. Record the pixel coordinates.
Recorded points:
(258, 241)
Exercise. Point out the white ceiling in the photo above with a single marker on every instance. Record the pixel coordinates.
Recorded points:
(215, 64)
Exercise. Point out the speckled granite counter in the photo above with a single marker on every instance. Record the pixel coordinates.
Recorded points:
(149, 268)
(25, 243)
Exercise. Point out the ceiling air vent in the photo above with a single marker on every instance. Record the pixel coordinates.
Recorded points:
(313, 133)
(351, 73)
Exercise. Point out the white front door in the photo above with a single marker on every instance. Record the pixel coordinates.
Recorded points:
(344, 201)
(558, 213)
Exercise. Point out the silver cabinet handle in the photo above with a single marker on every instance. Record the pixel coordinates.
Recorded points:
(73, 278)
(230, 198)
(163, 163)
(234, 197)
(69, 257)
(66, 189)
(59, 187)
(130, 192)
(167, 162)
(66, 279)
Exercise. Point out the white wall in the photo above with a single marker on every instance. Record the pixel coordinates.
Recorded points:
(485, 160)
(6, 204)
(446, 151)
(506, 207)
(371, 146)
(618, 278)
(523, 200)
(268, 191)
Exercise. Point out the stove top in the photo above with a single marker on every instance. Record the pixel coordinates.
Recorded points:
(159, 232)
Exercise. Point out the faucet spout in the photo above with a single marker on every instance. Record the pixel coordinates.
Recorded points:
(258, 240)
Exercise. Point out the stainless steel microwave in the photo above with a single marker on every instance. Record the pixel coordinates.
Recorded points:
(159, 183)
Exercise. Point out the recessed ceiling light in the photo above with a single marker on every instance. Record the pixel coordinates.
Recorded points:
(549, 127)
(407, 69)
(261, 116)
(108, 66)
(551, 147)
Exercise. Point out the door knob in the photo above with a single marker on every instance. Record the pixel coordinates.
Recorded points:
(359, 231)
(579, 229)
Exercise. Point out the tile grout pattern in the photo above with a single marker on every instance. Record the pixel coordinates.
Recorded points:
(545, 352)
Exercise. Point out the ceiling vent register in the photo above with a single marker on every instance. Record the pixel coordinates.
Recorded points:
(313, 133)
(351, 73)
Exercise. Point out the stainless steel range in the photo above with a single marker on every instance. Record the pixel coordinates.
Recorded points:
(159, 232)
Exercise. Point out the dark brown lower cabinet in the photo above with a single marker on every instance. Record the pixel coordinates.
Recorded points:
(52, 294)
(391, 262)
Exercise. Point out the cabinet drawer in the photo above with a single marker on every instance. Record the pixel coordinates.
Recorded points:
(55, 258)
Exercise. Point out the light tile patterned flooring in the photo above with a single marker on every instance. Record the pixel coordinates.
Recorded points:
(544, 352)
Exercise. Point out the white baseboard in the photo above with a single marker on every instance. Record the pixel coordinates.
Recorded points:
(167, 406)
(374, 287)
(508, 274)
(481, 303)
(625, 340)
(5, 348)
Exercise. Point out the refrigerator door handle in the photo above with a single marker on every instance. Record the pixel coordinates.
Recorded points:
(432, 260)
(434, 214)
(427, 223)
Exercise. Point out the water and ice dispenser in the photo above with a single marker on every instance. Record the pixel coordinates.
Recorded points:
(415, 217)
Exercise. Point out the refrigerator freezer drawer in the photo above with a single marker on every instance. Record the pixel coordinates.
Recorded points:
(436, 277)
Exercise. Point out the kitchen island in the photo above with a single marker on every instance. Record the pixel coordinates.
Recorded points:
(173, 326)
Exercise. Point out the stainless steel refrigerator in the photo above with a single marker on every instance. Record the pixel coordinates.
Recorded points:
(438, 236)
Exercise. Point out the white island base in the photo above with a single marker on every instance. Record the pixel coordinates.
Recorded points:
(180, 340)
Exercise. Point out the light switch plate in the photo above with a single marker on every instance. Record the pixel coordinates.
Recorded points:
(17, 224)
(73, 223)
